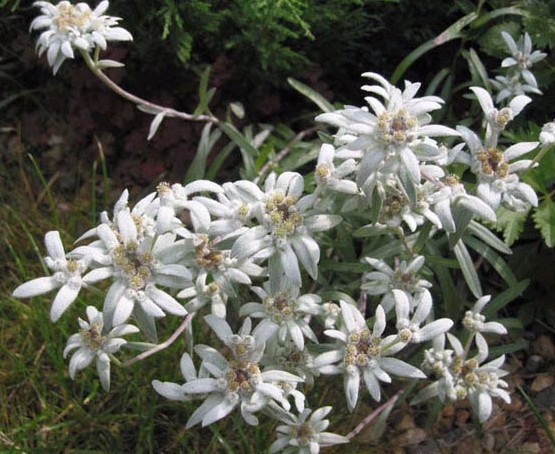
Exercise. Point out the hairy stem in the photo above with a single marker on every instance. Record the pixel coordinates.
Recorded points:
(140, 101)
(373, 415)
(163, 345)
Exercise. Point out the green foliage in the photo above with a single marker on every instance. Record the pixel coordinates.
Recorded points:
(511, 224)
(544, 218)
(540, 22)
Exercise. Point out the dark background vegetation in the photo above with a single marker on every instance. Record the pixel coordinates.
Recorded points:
(252, 47)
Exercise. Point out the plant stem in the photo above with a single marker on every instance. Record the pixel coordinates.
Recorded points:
(373, 415)
(169, 112)
(283, 153)
(163, 345)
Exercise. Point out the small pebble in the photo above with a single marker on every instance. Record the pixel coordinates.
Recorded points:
(533, 363)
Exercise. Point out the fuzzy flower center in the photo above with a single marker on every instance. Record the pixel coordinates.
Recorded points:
(361, 348)
(522, 60)
(392, 206)
(304, 433)
(206, 255)
(322, 172)
(242, 376)
(395, 129)
(493, 163)
(93, 337)
(69, 17)
(133, 265)
(280, 307)
(473, 321)
(283, 214)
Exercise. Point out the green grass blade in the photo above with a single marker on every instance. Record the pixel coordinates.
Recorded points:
(538, 415)
(248, 152)
(449, 34)
(208, 139)
(505, 297)
(311, 94)
(477, 67)
(218, 161)
(485, 18)
(53, 209)
(493, 258)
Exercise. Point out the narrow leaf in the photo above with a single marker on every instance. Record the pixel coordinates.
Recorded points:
(505, 297)
(488, 237)
(248, 152)
(467, 268)
(311, 94)
(493, 258)
(450, 33)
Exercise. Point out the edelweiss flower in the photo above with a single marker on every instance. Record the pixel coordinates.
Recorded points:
(202, 294)
(175, 199)
(547, 134)
(497, 120)
(522, 56)
(329, 176)
(137, 265)
(404, 277)
(395, 136)
(287, 356)
(209, 259)
(284, 235)
(409, 330)
(475, 322)
(396, 208)
(365, 353)
(498, 182)
(511, 86)
(287, 311)
(450, 194)
(305, 434)
(92, 342)
(459, 378)
(72, 27)
(236, 381)
(67, 277)
(483, 383)
(234, 208)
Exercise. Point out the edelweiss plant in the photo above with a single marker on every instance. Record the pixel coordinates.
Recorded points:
(383, 180)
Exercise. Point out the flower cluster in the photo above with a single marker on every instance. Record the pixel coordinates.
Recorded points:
(460, 376)
(74, 27)
(244, 254)
(519, 79)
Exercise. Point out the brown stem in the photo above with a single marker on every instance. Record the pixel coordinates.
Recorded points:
(163, 345)
(283, 153)
(373, 415)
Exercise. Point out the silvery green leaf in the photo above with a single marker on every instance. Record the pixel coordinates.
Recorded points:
(101, 64)
(426, 393)
(311, 94)
(155, 124)
(467, 268)
(488, 237)
(149, 109)
(237, 109)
